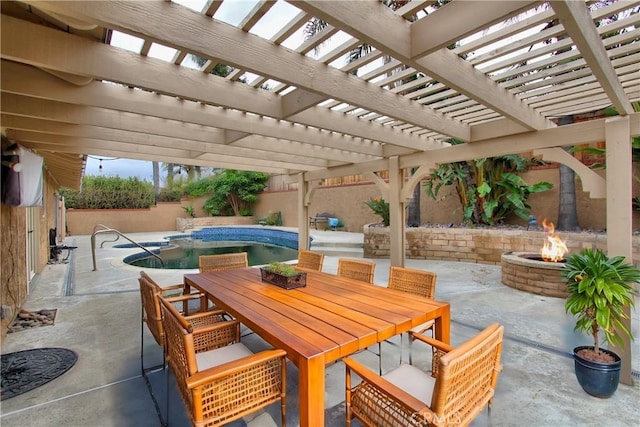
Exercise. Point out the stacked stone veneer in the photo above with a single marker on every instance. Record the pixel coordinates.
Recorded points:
(538, 277)
(475, 245)
(183, 224)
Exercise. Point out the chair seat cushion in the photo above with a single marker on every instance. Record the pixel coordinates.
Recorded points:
(414, 381)
(208, 359)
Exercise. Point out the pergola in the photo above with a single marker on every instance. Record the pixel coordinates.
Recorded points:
(491, 74)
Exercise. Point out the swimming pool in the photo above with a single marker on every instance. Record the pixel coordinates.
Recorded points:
(263, 245)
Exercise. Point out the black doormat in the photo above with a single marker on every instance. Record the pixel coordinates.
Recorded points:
(25, 370)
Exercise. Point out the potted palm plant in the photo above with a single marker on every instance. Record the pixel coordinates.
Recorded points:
(600, 288)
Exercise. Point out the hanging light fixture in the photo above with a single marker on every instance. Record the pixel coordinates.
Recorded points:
(100, 159)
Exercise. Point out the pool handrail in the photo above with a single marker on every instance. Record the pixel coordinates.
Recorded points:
(106, 229)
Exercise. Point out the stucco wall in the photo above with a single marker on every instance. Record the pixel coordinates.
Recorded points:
(161, 217)
(347, 202)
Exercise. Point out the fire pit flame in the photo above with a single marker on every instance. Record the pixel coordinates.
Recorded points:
(554, 248)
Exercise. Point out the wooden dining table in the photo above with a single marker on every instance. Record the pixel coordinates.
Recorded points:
(332, 317)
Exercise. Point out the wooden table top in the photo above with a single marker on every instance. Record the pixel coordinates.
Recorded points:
(331, 317)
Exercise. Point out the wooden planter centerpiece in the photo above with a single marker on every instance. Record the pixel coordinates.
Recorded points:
(283, 275)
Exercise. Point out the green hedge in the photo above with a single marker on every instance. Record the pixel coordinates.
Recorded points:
(100, 192)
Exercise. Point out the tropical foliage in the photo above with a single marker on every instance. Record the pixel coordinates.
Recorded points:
(200, 187)
(99, 192)
(489, 189)
(190, 210)
(379, 207)
(599, 290)
(234, 192)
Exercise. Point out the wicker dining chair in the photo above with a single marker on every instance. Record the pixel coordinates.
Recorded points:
(309, 260)
(356, 269)
(222, 261)
(461, 383)
(418, 282)
(150, 295)
(219, 379)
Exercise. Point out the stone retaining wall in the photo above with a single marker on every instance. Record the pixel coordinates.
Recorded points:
(482, 246)
(183, 224)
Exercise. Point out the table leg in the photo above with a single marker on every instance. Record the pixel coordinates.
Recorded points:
(443, 325)
(311, 384)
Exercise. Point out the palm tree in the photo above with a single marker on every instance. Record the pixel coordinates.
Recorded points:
(156, 179)
(169, 167)
(567, 208)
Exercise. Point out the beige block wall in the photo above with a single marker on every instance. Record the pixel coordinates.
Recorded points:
(161, 217)
(347, 202)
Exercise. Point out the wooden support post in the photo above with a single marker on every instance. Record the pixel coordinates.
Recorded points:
(396, 213)
(303, 213)
(619, 212)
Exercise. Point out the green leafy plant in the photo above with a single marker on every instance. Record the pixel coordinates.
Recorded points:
(282, 269)
(272, 218)
(190, 210)
(599, 289)
(199, 187)
(234, 192)
(99, 192)
(489, 189)
(167, 195)
(379, 207)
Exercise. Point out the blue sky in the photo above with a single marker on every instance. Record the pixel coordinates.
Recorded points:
(123, 168)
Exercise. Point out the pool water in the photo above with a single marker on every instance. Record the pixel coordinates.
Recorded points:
(184, 253)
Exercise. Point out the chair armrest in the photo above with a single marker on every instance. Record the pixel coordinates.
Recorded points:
(432, 342)
(227, 369)
(219, 334)
(395, 396)
(211, 313)
(438, 349)
(186, 297)
(173, 288)
(185, 301)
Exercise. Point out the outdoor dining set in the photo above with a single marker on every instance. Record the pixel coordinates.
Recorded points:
(329, 319)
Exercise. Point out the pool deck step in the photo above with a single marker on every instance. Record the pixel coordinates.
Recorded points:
(339, 249)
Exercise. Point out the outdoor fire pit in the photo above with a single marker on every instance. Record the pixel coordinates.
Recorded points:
(528, 272)
(537, 273)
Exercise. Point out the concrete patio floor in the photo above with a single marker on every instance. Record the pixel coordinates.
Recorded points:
(98, 317)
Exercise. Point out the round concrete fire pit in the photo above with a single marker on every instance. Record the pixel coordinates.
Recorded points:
(526, 272)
